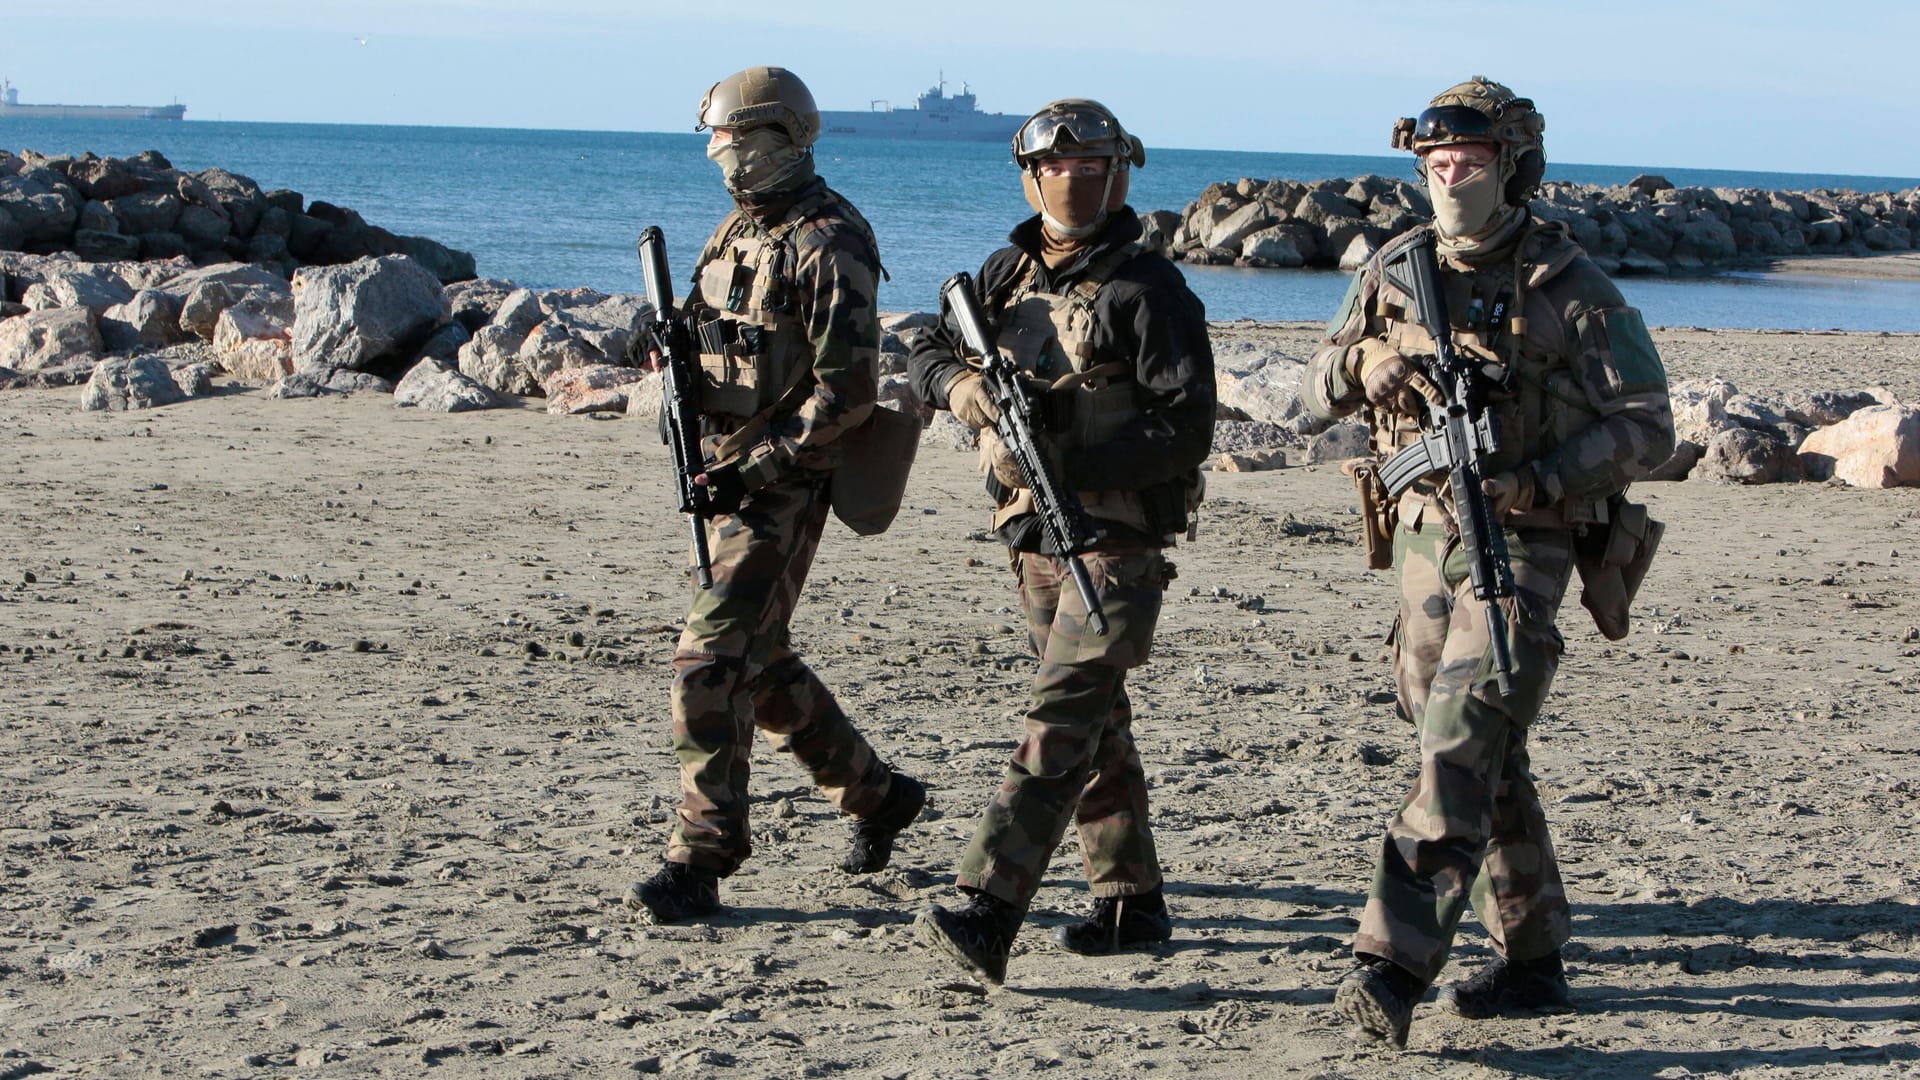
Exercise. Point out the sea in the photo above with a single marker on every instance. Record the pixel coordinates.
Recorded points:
(551, 209)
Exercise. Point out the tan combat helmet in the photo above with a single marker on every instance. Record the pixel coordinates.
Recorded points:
(1483, 111)
(1075, 127)
(762, 96)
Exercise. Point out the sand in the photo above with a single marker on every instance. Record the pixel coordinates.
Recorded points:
(331, 734)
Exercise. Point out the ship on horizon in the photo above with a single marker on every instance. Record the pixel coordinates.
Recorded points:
(10, 107)
(934, 115)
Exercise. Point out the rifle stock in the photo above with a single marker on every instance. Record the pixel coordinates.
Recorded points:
(680, 395)
(1062, 518)
(1460, 439)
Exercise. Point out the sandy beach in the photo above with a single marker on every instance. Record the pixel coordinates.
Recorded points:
(331, 733)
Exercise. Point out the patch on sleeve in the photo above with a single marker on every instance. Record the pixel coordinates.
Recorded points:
(1633, 353)
(1349, 304)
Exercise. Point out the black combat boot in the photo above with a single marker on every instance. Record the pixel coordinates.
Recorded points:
(1118, 922)
(873, 835)
(1506, 986)
(979, 935)
(676, 893)
(1378, 996)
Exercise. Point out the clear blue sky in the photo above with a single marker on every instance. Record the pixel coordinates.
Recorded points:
(1739, 84)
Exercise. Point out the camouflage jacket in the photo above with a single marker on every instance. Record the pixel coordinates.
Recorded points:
(833, 290)
(1578, 393)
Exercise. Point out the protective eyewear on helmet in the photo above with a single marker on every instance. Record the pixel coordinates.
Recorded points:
(1452, 122)
(1048, 132)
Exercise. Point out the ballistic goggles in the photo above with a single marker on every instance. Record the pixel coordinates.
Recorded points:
(1075, 131)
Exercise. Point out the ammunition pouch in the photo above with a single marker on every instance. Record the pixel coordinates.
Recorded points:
(1379, 513)
(1613, 560)
(871, 482)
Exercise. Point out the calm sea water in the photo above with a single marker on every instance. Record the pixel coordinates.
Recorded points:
(562, 208)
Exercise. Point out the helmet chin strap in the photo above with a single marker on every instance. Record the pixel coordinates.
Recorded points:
(1062, 228)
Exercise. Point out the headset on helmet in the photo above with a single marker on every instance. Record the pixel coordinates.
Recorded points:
(1482, 111)
(762, 96)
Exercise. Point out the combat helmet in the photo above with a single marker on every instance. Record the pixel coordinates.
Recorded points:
(1483, 111)
(1075, 127)
(762, 96)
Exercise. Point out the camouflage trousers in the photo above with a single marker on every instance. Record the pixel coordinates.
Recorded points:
(1077, 761)
(735, 670)
(1473, 822)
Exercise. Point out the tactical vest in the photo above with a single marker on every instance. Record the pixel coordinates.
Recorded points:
(1531, 392)
(753, 344)
(1049, 335)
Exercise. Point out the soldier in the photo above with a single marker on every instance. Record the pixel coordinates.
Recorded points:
(1579, 399)
(1117, 350)
(784, 319)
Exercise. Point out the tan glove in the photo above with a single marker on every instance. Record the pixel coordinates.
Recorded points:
(995, 459)
(967, 399)
(1511, 492)
(1390, 381)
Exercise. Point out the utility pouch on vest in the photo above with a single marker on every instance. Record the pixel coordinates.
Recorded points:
(1613, 561)
(871, 481)
(1378, 513)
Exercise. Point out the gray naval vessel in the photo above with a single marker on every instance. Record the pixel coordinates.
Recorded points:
(935, 115)
(10, 107)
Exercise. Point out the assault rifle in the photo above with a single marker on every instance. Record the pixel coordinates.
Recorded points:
(1460, 438)
(1062, 518)
(679, 393)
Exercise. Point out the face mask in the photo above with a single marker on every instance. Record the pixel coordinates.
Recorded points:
(756, 161)
(1465, 209)
(1076, 206)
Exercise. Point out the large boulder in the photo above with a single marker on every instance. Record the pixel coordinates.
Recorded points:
(1877, 447)
(40, 201)
(48, 339)
(1271, 393)
(80, 285)
(369, 315)
(120, 383)
(207, 291)
(595, 388)
(1745, 456)
(150, 319)
(147, 212)
(253, 338)
(435, 387)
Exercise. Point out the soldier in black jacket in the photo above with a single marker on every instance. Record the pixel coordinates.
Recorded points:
(1116, 347)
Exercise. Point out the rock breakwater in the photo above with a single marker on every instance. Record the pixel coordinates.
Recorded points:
(1647, 226)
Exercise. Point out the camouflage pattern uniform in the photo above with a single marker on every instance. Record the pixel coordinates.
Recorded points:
(1584, 412)
(805, 270)
(1132, 454)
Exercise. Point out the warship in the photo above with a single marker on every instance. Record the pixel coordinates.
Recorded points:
(935, 115)
(10, 107)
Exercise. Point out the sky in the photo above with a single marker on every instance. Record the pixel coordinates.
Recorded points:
(1731, 84)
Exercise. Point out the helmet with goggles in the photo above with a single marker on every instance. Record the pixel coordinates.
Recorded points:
(1482, 111)
(1075, 127)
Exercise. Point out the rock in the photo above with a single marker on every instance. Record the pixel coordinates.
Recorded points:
(369, 315)
(258, 360)
(1823, 407)
(1322, 208)
(444, 345)
(643, 398)
(300, 384)
(1272, 393)
(78, 285)
(1356, 253)
(473, 303)
(1274, 246)
(947, 432)
(492, 359)
(434, 387)
(594, 388)
(1745, 456)
(194, 380)
(1685, 456)
(148, 320)
(1252, 460)
(1157, 228)
(587, 335)
(41, 203)
(348, 381)
(46, 339)
(1649, 184)
(1875, 447)
(207, 291)
(1338, 443)
(147, 212)
(121, 383)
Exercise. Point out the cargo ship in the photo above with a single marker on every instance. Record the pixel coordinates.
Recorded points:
(934, 115)
(10, 107)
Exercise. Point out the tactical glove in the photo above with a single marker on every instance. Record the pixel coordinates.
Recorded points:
(724, 487)
(967, 398)
(1511, 492)
(1389, 380)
